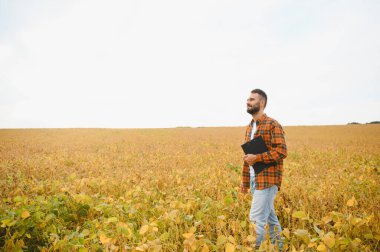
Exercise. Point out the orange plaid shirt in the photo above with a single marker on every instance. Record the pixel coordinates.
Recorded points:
(273, 135)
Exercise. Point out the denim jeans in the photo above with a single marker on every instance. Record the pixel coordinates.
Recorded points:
(262, 212)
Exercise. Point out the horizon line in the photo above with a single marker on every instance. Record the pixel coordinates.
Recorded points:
(175, 127)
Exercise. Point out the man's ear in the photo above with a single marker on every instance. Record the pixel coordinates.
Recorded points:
(262, 102)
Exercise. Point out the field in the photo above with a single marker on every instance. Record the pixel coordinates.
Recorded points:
(177, 190)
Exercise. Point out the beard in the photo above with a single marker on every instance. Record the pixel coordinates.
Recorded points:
(254, 109)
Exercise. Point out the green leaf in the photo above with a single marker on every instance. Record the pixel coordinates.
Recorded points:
(299, 215)
(111, 219)
(301, 233)
(165, 236)
(228, 200)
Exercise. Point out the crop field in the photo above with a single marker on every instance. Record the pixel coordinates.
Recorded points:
(177, 190)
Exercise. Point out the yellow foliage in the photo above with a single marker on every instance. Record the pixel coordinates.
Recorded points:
(329, 241)
(181, 187)
(321, 247)
(25, 214)
(104, 239)
(230, 247)
(144, 229)
(352, 202)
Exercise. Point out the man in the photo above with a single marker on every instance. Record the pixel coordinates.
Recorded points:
(267, 182)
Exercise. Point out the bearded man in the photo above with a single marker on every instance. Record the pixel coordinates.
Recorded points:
(265, 184)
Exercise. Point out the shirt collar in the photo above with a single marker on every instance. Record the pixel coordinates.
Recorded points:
(258, 121)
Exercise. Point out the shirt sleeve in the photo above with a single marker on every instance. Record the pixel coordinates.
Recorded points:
(245, 176)
(277, 149)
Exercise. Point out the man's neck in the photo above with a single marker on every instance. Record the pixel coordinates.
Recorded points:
(257, 115)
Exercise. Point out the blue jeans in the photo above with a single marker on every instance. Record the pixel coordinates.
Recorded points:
(262, 212)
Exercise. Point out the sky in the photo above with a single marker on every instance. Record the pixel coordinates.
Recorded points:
(162, 64)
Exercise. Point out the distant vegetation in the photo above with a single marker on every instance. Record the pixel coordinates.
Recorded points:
(374, 122)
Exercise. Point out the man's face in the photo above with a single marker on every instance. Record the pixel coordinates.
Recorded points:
(253, 104)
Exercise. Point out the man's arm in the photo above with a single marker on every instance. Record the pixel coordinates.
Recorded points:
(278, 150)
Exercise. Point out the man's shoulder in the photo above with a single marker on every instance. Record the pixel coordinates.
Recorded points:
(271, 121)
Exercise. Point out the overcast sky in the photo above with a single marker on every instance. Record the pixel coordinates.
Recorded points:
(148, 64)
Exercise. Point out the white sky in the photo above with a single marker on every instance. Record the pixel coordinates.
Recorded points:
(193, 63)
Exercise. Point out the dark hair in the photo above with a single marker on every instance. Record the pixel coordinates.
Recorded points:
(262, 94)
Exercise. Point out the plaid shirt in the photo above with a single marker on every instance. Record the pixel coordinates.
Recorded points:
(273, 135)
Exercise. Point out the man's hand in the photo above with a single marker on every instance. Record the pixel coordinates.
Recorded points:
(250, 159)
(243, 189)
(243, 192)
